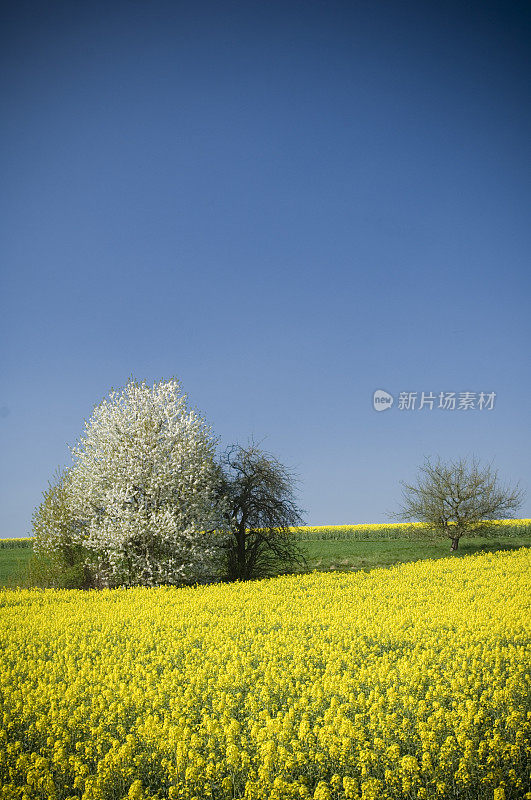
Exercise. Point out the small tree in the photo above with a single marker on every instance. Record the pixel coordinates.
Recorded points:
(58, 558)
(458, 497)
(260, 509)
(142, 490)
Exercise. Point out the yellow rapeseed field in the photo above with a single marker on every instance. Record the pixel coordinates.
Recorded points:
(398, 530)
(410, 682)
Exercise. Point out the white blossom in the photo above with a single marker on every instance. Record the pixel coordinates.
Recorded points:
(143, 488)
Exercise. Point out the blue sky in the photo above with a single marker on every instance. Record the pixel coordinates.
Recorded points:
(287, 206)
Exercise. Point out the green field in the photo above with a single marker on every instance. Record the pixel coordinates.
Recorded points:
(13, 562)
(327, 554)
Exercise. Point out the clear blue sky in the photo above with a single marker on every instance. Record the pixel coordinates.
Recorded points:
(287, 205)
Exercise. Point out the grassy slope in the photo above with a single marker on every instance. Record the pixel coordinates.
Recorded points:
(348, 555)
(328, 554)
(13, 562)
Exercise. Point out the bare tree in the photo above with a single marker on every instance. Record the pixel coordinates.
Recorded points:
(457, 497)
(259, 497)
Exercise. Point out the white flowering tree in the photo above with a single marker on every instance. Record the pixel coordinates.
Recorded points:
(143, 489)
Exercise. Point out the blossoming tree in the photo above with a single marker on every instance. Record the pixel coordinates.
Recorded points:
(143, 489)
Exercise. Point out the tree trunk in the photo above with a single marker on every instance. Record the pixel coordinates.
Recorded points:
(241, 551)
(454, 545)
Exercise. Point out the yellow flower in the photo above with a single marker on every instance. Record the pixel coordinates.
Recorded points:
(388, 684)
